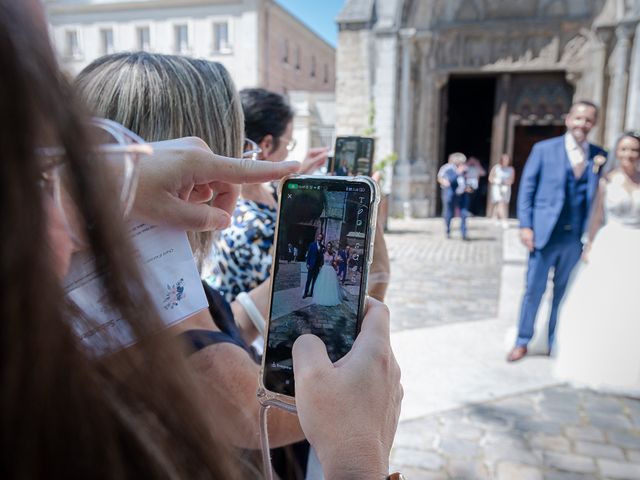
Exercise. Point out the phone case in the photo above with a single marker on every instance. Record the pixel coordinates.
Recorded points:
(355, 137)
(286, 402)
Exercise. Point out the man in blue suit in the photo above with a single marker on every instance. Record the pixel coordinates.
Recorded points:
(556, 191)
(315, 259)
(455, 192)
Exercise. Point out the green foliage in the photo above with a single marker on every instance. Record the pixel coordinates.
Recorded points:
(388, 161)
(370, 131)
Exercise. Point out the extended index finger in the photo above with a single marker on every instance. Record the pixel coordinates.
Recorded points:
(211, 167)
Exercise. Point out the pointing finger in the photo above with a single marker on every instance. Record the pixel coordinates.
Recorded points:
(211, 167)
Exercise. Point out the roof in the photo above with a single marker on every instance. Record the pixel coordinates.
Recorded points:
(356, 11)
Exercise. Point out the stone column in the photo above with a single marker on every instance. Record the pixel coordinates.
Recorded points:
(618, 87)
(591, 84)
(500, 111)
(402, 178)
(499, 126)
(633, 103)
(426, 127)
(384, 98)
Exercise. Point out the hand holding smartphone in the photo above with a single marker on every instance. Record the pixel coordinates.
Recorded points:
(349, 411)
(330, 223)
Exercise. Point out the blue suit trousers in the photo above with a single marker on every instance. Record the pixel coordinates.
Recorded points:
(449, 203)
(561, 253)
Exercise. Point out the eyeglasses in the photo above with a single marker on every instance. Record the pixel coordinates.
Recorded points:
(119, 148)
(250, 149)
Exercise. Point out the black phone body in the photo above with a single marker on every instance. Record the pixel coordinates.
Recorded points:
(329, 165)
(353, 156)
(324, 244)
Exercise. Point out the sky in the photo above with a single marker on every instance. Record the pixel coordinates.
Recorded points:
(318, 15)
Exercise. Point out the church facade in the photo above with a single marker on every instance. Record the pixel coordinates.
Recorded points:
(484, 77)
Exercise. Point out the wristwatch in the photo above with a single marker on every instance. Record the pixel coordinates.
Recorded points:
(396, 476)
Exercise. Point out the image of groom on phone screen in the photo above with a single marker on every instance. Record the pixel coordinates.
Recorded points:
(315, 259)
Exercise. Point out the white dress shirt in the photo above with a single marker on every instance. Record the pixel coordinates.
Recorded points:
(577, 152)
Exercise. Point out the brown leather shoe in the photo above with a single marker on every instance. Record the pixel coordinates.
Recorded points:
(517, 353)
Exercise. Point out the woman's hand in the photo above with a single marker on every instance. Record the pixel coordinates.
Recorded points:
(316, 158)
(185, 185)
(349, 410)
(380, 269)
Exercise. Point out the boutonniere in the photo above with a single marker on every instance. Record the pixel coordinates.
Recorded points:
(598, 161)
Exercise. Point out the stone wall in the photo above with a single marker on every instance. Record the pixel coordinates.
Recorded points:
(353, 82)
(294, 58)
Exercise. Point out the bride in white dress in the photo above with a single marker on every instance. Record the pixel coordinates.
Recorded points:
(326, 291)
(599, 332)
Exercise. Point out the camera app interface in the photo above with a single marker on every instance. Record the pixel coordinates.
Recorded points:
(317, 284)
(353, 156)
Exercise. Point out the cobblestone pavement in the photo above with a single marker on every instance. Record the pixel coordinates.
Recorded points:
(435, 281)
(556, 432)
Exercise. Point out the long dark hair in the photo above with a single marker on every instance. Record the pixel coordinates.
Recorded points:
(64, 413)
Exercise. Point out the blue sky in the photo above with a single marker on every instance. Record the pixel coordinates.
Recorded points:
(318, 15)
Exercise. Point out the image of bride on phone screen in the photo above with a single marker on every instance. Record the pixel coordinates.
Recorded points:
(327, 288)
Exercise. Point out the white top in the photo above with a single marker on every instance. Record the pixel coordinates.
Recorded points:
(621, 204)
(502, 175)
(328, 258)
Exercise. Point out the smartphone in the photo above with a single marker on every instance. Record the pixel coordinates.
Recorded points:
(353, 156)
(329, 166)
(324, 245)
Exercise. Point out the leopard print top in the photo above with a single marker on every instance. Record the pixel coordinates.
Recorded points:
(241, 258)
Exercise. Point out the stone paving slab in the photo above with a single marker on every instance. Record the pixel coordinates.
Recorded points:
(448, 366)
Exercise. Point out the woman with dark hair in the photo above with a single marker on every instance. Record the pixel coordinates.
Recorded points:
(599, 332)
(268, 121)
(68, 413)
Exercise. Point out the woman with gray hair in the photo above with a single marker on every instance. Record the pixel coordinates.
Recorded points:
(160, 97)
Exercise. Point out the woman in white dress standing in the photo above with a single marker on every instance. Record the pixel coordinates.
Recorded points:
(327, 288)
(599, 332)
(501, 178)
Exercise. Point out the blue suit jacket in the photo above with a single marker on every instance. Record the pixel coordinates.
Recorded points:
(449, 192)
(542, 187)
(315, 255)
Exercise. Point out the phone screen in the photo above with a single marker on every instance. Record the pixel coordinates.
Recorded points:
(353, 156)
(319, 276)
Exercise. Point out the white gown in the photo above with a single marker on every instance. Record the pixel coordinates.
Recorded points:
(598, 340)
(326, 291)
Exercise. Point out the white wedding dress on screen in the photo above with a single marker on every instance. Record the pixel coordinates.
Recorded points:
(326, 291)
(598, 340)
